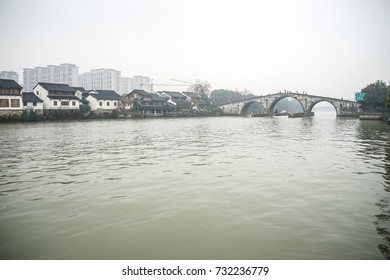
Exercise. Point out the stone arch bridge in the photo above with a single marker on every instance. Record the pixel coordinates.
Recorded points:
(344, 108)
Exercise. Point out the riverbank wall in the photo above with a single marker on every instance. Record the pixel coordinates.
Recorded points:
(74, 114)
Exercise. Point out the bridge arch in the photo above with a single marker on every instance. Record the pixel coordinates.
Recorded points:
(276, 101)
(311, 106)
(245, 109)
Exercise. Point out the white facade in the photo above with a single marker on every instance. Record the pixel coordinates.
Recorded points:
(32, 105)
(106, 79)
(64, 103)
(79, 94)
(65, 73)
(101, 104)
(11, 102)
(11, 75)
(56, 103)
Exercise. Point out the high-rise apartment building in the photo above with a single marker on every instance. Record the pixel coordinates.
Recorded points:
(10, 75)
(141, 82)
(125, 85)
(65, 73)
(105, 79)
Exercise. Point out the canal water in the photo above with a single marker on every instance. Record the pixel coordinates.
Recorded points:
(196, 188)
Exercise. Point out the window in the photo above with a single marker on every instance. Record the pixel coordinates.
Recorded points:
(4, 103)
(64, 103)
(34, 103)
(100, 103)
(108, 103)
(15, 103)
(114, 103)
(55, 103)
(37, 92)
(24, 103)
(73, 103)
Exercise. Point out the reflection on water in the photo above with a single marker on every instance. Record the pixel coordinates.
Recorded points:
(376, 151)
(207, 188)
(383, 218)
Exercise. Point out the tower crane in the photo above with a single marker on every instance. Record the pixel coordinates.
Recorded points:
(152, 84)
(183, 82)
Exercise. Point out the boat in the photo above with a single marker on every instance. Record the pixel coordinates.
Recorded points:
(259, 114)
(296, 115)
(281, 113)
(371, 116)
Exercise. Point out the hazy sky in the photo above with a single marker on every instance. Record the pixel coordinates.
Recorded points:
(331, 48)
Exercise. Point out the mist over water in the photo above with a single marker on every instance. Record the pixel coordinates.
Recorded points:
(196, 188)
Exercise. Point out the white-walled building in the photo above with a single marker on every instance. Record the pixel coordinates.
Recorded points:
(31, 101)
(57, 96)
(9, 75)
(64, 73)
(103, 79)
(103, 100)
(10, 95)
(80, 92)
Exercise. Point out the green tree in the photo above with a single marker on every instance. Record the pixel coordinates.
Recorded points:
(222, 96)
(375, 97)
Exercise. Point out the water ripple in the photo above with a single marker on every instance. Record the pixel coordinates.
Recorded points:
(207, 188)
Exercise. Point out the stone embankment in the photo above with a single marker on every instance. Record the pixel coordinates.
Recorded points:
(71, 114)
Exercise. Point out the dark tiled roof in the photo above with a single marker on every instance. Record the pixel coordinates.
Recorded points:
(57, 87)
(105, 95)
(174, 94)
(156, 97)
(107, 92)
(30, 97)
(9, 84)
(66, 97)
(141, 92)
(191, 94)
(81, 89)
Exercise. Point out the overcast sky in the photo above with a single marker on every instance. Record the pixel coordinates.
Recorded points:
(332, 48)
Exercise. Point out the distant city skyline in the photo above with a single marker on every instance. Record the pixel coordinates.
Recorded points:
(68, 73)
(10, 75)
(333, 48)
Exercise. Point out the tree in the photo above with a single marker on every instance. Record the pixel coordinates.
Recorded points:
(222, 96)
(125, 101)
(388, 97)
(375, 96)
(201, 88)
